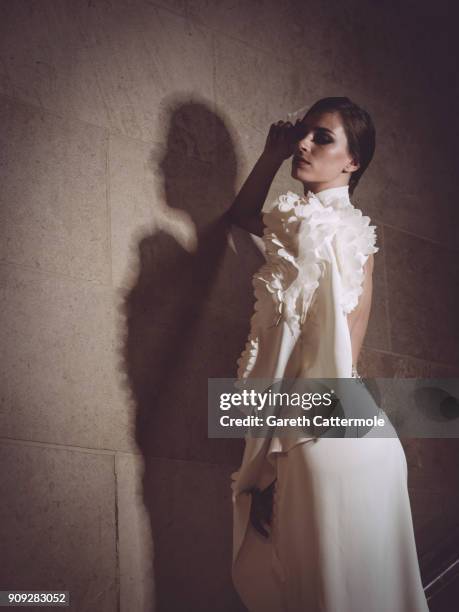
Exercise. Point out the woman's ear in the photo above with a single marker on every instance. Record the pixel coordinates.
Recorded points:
(352, 166)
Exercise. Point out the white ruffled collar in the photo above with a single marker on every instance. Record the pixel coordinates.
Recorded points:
(337, 197)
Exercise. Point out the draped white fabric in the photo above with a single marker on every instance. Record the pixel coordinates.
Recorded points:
(342, 535)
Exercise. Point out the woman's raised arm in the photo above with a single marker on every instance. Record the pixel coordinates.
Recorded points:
(245, 211)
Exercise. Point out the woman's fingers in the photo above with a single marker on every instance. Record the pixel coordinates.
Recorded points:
(282, 124)
(261, 509)
(256, 523)
(258, 512)
(281, 139)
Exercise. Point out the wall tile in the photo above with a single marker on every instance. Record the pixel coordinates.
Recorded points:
(54, 200)
(422, 281)
(58, 526)
(61, 368)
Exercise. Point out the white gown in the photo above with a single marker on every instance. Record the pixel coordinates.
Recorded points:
(342, 535)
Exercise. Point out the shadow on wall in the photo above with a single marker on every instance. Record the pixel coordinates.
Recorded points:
(187, 319)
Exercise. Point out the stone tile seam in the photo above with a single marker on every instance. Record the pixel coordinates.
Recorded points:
(380, 223)
(117, 538)
(49, 445)
(406, 355)
(214, 71)
(108, 206)
(95, 451)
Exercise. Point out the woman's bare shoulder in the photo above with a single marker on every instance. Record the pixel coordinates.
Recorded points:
(370, 262)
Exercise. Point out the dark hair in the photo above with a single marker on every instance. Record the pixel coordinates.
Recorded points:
(359, 128)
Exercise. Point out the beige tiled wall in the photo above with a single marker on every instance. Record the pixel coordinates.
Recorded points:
(127, 126)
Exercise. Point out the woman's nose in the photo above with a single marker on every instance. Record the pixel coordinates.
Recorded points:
(305, 144)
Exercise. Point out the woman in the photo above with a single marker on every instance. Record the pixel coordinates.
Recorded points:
(320, 524)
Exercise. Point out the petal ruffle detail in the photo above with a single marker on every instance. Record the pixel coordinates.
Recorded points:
(353, 246)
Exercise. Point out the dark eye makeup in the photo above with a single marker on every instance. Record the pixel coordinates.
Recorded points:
(323, 138)
(322, 135)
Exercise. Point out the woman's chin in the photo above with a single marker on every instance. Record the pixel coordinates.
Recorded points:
(300, 173)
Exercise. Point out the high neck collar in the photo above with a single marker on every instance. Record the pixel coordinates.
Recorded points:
(339, 196)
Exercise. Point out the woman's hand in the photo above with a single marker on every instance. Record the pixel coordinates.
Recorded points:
(261, 509)
(281, 140)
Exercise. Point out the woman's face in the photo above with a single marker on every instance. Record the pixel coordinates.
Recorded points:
(323, 143)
